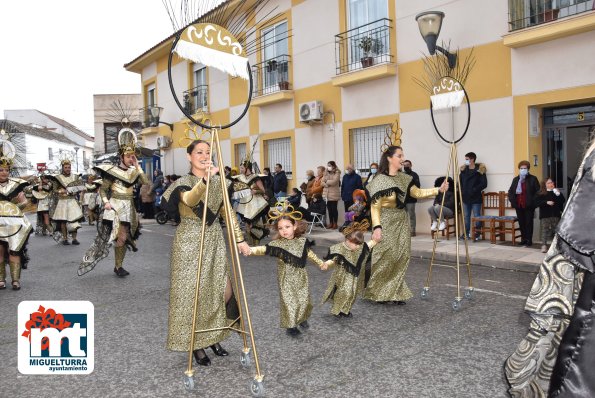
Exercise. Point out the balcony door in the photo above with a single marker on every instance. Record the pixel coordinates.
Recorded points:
(275, 47)
(200, 93)
(364, 20)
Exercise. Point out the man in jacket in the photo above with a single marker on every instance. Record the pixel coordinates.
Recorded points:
(521, 195)
(473, 182)
(279, 182)
(351, 182)
(409, 200)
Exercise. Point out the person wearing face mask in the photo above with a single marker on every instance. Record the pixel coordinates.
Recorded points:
(308, 188)
(551, 203)
(373, 173)
(351, 181)
(410, 201)
(473, 182)
(521, 194)
(331, 183)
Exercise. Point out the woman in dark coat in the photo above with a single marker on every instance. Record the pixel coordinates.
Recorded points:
(521, 194)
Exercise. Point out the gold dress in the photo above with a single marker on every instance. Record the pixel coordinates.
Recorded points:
(292, 277)
(390, 257)
(41, 195)
(117, 188)
(186, 196)
(347, 280)
(14, 225)
(67, 208)
(254, 207)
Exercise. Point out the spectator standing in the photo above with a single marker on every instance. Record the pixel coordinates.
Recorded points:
(351, 181)
(373, 171)
(551, 204)
(473, 181)
(521, 194)
(410, 201)
(157, 180)
(331, 183)
(279, 182)
(267, 181)
(147, 199)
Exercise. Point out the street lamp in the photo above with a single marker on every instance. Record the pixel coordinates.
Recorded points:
(429, 23)
(76, 157)
(154, 117)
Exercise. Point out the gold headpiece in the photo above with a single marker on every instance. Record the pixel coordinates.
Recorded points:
(127, 142)
(356, 226)
(283, 209)
(192, 132)
(65, 157)
(7, 150)
(392, 136)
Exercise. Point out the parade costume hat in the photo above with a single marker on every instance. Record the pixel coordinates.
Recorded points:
(7, 151)
(127, 139)
(362, 226)
(283, 209)
(392, 136)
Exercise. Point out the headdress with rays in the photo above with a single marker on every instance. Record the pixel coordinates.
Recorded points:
(66, 157)
(283, 209)
(7, 150)
(248, 160)
(12, 147)
(362, 226)
(219, 33)
(392, 136)
(194, 132)
(126, 116)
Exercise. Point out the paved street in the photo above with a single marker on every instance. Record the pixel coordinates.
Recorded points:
(423, 349)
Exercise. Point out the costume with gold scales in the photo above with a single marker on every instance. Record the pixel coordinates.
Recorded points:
(390, 257)
(252, 207)
(186, 197)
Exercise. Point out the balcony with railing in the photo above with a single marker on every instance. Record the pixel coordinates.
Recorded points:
(271, 80)
(197, 99)
(530, 21)
(364, 53)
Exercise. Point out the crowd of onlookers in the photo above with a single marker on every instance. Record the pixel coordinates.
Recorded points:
(325, 187)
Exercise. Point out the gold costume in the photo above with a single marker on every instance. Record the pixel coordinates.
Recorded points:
(15, 228)
(292, 277)
(67, 209)
(186, 196)
(347, 280)
(253, 208)
(390, 257)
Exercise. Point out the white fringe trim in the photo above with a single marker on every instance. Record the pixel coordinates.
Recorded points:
(452, 99)
(233, 65)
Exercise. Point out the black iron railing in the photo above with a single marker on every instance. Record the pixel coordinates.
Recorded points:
(363, 46)
(197, 99)
(271, 75)
(525, 13)
(149, 116)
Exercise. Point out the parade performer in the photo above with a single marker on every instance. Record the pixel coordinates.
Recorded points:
(120, 223)
(349, 258)
(65, 211)
(14, 226)
(556, 358)
(390, 222)
(91, 198)
(41, 194)
(292, 251)
(217, 306)
(254, 207)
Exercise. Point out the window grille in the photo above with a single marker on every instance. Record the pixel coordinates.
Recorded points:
(364, 145)
(279, 151)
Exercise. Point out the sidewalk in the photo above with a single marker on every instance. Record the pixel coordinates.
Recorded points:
(503, 256)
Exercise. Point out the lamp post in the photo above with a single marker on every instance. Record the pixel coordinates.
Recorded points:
(430, 23)
(155, 116)
(76, 157)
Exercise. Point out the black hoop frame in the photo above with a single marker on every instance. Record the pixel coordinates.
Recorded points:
(188, 115)
(468, 116)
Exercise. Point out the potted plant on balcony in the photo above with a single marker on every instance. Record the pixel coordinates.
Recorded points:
(271, 65)
(187, 102)
(369, 46)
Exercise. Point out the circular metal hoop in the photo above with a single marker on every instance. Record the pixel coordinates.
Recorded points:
(468, 119)
(186, 113)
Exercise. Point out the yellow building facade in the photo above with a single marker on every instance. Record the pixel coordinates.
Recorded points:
(322, 93)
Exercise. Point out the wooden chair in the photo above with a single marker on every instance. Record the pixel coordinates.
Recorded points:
(506, 224)
(449, 230)
(489, 201)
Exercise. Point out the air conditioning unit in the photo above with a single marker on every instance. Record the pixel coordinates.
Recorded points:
(163, 142)
(311, 112)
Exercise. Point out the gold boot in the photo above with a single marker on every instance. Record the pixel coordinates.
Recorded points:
(119, 253)
(2, 275)
(15, 274)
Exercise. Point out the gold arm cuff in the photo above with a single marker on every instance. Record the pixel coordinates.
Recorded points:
(258, 250)
(420, 193)
(314, 258)
(192, 197)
